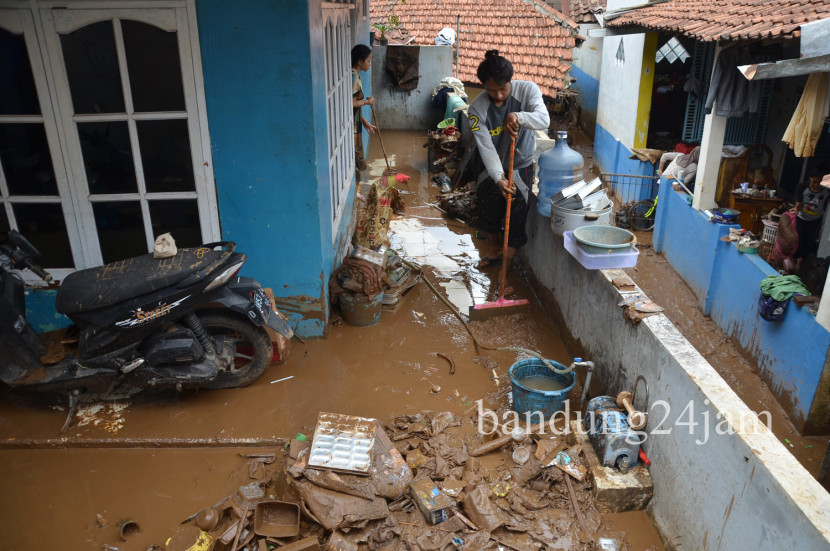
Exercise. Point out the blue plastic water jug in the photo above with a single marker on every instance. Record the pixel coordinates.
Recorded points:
(558, 168)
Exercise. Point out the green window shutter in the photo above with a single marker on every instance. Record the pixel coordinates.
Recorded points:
(702, 58)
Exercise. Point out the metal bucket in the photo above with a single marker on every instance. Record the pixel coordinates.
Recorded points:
(563, 219)
(360, 310)
(604, 239)
(529, 400)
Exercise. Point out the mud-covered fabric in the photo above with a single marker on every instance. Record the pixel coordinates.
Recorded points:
(402, 66)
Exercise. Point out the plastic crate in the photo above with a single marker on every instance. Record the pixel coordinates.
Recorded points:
(770, 230)
(590, 261)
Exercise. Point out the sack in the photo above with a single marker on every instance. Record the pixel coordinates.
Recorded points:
(771, 309)
(165, 246)
(373, 224)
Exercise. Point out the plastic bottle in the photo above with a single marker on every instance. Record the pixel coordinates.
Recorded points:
(558, 168)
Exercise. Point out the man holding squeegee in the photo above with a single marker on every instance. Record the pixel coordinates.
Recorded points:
(508, 108)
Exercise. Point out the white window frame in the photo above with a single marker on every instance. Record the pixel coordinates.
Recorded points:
(45, 53)
(337, 38)
(20, 21)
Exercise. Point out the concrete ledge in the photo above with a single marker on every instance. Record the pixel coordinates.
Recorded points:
(613, 491)
(711, 491)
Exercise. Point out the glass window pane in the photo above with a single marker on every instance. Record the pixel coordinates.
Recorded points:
(43, 225)
(180, 217)
(108, 159)
(24, 156)
(92, 69)
(153, 64)
(18, 95)
(165, 155)
(120, 230)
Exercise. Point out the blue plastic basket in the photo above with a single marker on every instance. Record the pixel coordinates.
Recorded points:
(547, 402)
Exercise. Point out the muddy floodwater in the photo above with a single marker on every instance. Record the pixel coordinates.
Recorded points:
(157, 460)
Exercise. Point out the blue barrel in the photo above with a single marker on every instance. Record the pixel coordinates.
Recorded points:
(558, 168)
(529, 400)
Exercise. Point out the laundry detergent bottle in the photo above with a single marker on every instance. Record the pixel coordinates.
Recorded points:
(558, 168)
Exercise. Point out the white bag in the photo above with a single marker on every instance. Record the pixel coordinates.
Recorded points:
(165, 246)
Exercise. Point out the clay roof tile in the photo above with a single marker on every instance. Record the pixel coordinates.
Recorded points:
(727, 19)
(534, 36)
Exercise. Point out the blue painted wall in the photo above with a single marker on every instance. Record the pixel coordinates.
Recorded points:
(588, 88)
(263, 65)
(612, 157)
(791, 353)
(689, 241)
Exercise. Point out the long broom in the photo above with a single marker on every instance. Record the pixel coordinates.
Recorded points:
(502, 306)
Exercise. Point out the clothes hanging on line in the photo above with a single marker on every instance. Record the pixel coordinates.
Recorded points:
(729, 91)
(803, 132)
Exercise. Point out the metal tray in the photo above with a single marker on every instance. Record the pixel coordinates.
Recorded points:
(343, 443)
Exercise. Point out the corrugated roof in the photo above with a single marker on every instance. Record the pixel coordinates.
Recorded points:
(728, 19)
(535, 38)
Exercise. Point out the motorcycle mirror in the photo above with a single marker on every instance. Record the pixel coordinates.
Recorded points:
(17, 240)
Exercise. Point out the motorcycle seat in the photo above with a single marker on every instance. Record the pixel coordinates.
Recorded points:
(127, 279)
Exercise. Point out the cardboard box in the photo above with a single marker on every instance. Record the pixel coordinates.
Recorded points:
(435, 505)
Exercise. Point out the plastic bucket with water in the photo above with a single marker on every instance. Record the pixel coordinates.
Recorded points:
(359, 309)
(529, 400)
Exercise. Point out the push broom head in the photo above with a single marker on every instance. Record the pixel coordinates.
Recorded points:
(500, 307)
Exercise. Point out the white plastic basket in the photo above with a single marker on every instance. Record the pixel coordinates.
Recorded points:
(770, 229)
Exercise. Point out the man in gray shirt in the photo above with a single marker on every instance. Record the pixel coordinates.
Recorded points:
(507, 108)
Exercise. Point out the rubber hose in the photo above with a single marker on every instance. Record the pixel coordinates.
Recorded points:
(478, 343)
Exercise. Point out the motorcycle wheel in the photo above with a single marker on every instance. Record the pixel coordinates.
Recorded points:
(253, 349)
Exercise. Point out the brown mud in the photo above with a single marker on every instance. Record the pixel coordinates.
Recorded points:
(55, 493)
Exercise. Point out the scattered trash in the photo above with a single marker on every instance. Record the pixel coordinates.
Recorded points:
(623, 283)
(190, 538)
(127, 527)
(434, 504)
(207, 519)
(636, 308)
(101, 521)
(521, 455)
(452, 363)
(516, 435)
(787, 441)
(283, 379)
(435, 389)
(276, 518)
(440, 497)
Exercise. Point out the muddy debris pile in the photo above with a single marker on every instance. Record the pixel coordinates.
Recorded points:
(422, 490)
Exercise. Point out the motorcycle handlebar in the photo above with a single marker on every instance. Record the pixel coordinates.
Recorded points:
(40, 272)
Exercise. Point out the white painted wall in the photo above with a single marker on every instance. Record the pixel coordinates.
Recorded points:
(733, 492)
(619, 87)
(588, 56)
(402, 110)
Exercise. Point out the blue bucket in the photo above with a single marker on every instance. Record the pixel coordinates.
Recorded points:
(529, 400)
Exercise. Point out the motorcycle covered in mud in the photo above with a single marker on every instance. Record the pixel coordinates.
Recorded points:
(186, 321)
